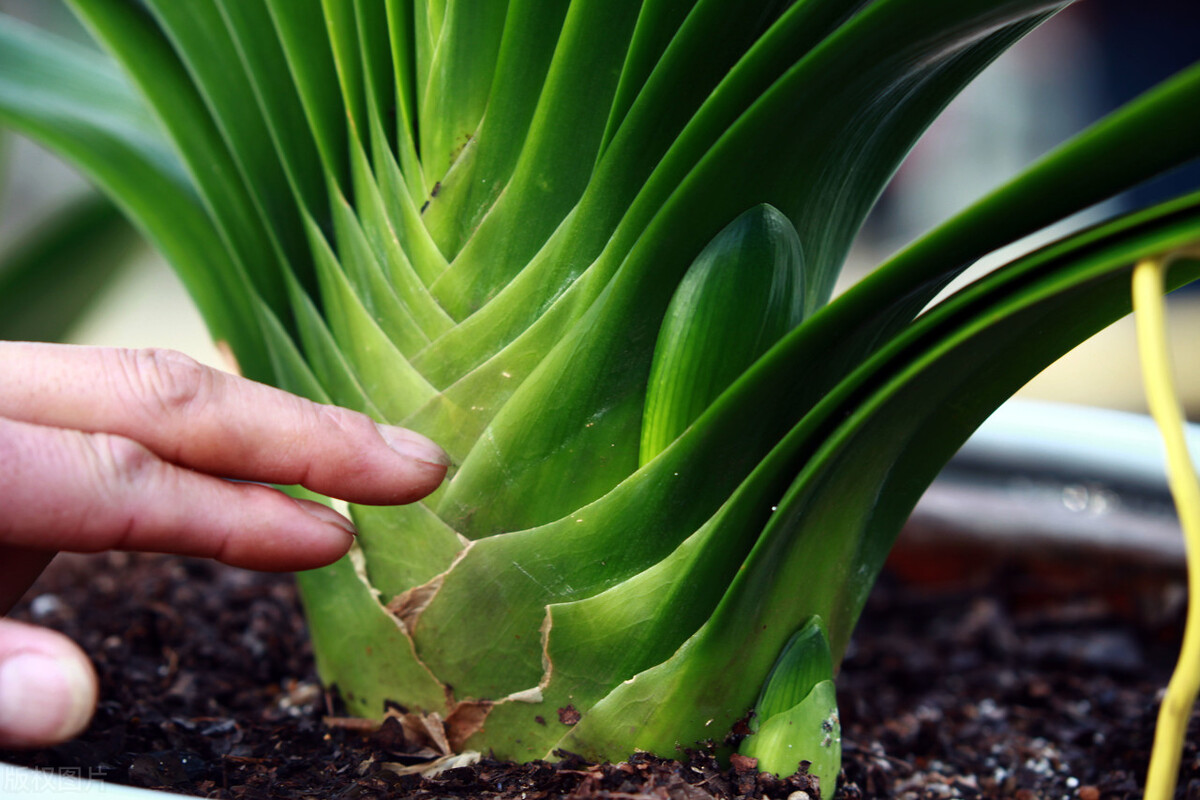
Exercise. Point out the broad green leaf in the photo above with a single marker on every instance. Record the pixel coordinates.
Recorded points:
(309, 56)
(369, 282)
(620, 176)
(588, 392)
(158, 73)
(883, 433)
(400, 29)
(553, 169)
(401, 38)
(657, 23)
(200, 37)
(501, 586)
(592, 645)
(290, 370)
(804, 663)
(404, 214)
(72, 100)
(482, 170)
(78, 87)
(371, 25)
(385, 242)
(386, 377)
(520, 311)
(741, 295)
(328, 363)
(458, 82)
(266, 66)
(404, 546)
(342, 28)
(426, 22)
(361, 648)
(1147, 136)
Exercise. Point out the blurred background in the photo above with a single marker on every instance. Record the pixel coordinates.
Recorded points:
(1083, 63)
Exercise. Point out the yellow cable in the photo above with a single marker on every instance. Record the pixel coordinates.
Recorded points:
(1181, 692)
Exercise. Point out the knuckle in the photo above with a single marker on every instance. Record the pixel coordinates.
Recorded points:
(165, 381)
(341, 420)
(125, 476)
(329, 440)
(321, 419)
(122, 464)
(122, 469)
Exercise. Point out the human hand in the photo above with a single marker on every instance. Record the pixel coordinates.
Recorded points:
(104, 449)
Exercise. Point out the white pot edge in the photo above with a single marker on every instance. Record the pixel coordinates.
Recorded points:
(1099, 443)
(20, 783)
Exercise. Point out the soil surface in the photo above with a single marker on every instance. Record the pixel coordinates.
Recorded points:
(1006, 682)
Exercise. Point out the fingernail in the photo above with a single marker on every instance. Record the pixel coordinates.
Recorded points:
(327, 515)
(413, 445)
(45, 700)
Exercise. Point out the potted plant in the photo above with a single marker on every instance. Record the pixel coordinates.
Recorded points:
(590, 248)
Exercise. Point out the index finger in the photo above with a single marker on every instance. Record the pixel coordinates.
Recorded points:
(218, 423)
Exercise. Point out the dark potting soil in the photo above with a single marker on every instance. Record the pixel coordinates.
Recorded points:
(1005, 682)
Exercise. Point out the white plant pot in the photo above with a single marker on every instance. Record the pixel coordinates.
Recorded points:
(1077, 478)
(19, 783)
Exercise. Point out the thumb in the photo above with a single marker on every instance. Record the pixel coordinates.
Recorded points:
(48, 687)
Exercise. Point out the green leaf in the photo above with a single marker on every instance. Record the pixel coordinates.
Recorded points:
(387, 379)
(71, 99)
(552, 170)
(622, 174)
(341, 26)
(309, 56)
(588, 393)
(879, 438)
(402, 40)
(708, 338)
(804, 663)
(404, 546)
(289, 368)
(810, 731)
(405, 217)
(327, 362)
(371, 25)
(361, 648)
(377, 224)
(498, 591)
(155, 68)
(657, 23)
(458, 82)
(480, 173)
(426, 22)
(265, 64)
(203, 42)
(796, 717)
(369, 282)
